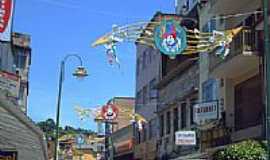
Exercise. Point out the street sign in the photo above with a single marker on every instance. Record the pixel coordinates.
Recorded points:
(80, 139)
(109, 112)
(185, 138)
(205, 112)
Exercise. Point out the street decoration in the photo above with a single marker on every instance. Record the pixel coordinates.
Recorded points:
(139, 120)
(84, 113)
(6, 9)
(169, 36)
(109, 112)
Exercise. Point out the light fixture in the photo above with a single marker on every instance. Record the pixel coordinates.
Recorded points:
(80, 72)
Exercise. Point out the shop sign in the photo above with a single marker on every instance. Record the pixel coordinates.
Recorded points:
(109, 112)
(8, 155)
(205, 112)
(9, 82)
(185, 138)
(6, 9)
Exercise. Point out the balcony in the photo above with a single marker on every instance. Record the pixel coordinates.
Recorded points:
(242, 57)
(219, 7)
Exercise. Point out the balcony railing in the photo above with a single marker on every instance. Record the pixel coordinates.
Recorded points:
(245, 43)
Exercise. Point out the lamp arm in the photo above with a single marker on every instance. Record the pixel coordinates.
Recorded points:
(74, 55)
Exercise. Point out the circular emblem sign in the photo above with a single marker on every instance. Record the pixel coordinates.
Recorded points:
(170, 38)
(109, 112)
(6, 10)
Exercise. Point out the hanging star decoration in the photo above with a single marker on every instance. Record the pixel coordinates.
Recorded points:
(167, 34)
(84, 113)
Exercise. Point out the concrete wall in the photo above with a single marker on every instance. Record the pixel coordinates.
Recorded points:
(179, 90)
(229, 78)
(144, 76)
(20, 134)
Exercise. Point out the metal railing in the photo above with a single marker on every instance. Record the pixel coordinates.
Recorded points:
(245, 43)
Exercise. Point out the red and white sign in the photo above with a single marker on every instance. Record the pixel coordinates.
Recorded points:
(109, 112)
(6, 13)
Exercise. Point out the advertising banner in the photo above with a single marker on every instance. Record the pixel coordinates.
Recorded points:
(9, 82)
(205, 112)
(185, 138)
(6, 14)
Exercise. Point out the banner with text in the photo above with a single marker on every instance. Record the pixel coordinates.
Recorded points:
(185, 138)
(205, 112)
(6, 15)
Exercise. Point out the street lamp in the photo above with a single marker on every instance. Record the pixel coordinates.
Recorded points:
(80, 72)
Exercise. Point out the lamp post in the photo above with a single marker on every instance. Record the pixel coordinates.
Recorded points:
(267, 74)
(80, 72)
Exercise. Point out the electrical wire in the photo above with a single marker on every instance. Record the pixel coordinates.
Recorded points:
(237, 15)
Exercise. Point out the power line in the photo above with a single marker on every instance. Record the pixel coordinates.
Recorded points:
(237, 15)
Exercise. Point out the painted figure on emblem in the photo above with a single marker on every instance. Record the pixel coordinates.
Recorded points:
(170, 42)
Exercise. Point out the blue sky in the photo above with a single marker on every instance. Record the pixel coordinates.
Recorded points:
(60, 27)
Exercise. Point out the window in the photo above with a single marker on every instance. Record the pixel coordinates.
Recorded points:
(144, 95)
(209, 89)
(139, 98)
(0, 63)
(193, 102)
(144, 59)
(183, 115)
(150, 56)
(248, 103)
(20, 59)
(152, 89)
(138, 66)
(175, 119)
(210, 26)
(150, 129)
(144, 133)
(161, 121)
(168, 122)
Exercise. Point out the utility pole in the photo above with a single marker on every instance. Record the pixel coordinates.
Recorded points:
(107, 135)
(267, 73)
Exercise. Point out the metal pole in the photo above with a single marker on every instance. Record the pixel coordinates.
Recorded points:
(107, 127)
(58, 110)
(267, 70)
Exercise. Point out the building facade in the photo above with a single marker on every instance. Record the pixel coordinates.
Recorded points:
(119, 143)
(15, 60)
(236, 81)
(19, 135)
(178, 92)
(147, 77)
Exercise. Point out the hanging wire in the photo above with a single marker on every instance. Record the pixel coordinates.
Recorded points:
(237, 15)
